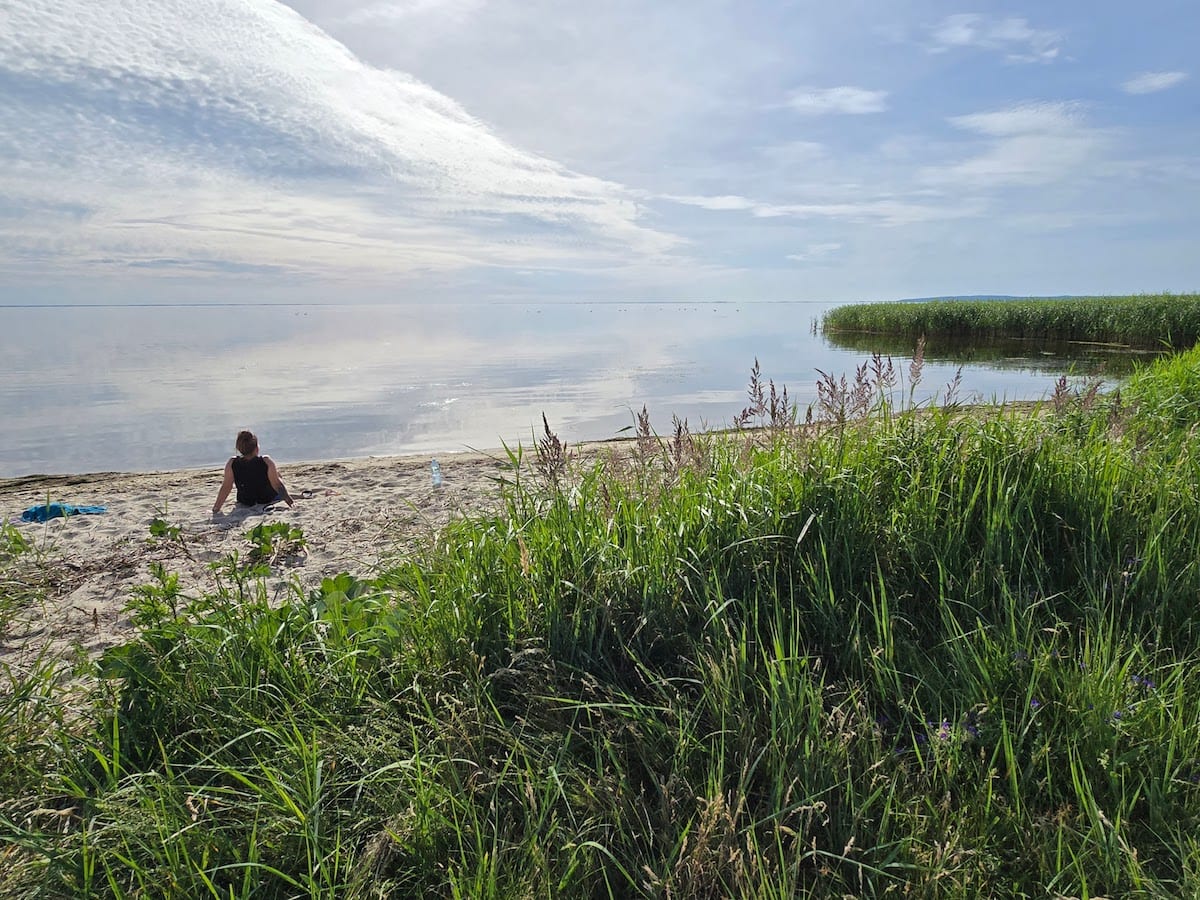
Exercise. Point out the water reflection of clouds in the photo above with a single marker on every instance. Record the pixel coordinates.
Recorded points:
(160, 388)
(164, 388)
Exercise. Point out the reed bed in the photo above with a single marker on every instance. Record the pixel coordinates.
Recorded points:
(1048, 358)
(1142, 321)
(917, 653)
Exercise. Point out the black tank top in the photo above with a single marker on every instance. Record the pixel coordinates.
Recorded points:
(253, 485)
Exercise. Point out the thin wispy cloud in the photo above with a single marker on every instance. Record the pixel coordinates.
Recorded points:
(1152, 82)
(844, 100)
(1029, 144)
(1029, 118)
(1014, 37)
(816, 252)
(888, 211)
(723, 203)
(881, 211)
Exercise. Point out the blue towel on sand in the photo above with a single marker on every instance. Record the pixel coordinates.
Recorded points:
(53, 510)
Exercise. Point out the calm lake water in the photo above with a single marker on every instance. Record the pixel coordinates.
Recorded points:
(92, 388)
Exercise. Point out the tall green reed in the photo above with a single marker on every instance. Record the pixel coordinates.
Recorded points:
(1143, 320)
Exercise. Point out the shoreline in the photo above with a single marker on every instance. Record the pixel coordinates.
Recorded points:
(7, 482)
(355, 515)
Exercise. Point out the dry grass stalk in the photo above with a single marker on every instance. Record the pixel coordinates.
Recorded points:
(769, 408)
(651, 455)
(950, 400)
(552, 456)
(1061, 398)
(917, 366)
(1084, 398)
(646, 441)
(916, 370)
(682, 450)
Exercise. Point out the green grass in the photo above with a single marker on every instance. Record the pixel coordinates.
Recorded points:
(1145, 321)
(922, 654)
(23, 574)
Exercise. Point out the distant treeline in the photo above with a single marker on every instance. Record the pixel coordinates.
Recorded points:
(1145, 320)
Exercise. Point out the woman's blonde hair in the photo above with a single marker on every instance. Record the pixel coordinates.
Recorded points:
(247, 443)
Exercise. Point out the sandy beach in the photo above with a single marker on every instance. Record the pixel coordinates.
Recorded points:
(354, 515)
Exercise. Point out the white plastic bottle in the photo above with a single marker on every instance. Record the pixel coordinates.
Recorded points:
(436, 470)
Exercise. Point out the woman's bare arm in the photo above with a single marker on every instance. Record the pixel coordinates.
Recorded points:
(276, 481)
(226, 487)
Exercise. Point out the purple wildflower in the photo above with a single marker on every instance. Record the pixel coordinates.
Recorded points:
(1142, 682)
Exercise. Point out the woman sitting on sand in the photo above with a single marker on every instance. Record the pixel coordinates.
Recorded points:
(256, 477)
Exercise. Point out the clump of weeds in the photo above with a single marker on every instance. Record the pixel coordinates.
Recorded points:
(165, 533)
(274, 541)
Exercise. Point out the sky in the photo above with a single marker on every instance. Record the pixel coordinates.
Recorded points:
(426, 151)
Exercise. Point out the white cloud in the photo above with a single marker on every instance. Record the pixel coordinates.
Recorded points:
(846, 100)
(1031, 144)
(1016, 38)
(607, 88)
(1030, 118)
(215, 129)
(884, 210)
(880, 211)
(1150, 82)
(720, 203)
(405, 12)
(816, 252)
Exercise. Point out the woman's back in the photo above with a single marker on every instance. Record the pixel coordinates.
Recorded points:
(253, 485)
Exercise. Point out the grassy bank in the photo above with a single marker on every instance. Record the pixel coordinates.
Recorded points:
(1146, 321)
(927, 655)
